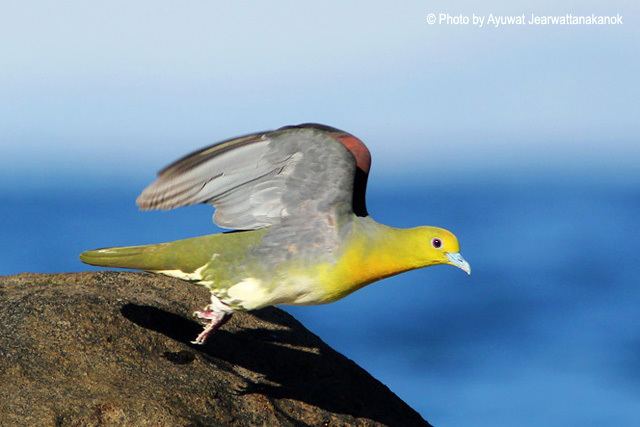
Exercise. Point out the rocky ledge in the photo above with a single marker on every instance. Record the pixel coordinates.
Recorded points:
(113, 348)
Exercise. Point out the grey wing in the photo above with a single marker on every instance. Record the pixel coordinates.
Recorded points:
(298, 178)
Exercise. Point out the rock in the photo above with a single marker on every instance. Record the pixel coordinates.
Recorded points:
(113, 348)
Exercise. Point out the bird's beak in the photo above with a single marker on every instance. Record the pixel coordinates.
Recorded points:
(456, 260)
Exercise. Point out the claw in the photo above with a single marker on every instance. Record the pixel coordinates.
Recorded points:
(202, 336)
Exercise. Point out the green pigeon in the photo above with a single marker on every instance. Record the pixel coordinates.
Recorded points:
(296, 200)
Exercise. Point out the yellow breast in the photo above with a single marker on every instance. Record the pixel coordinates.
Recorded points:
(366, 257)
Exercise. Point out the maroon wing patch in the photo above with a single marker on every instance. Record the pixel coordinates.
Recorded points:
(353, 144)
(363, 162)
(358, 149)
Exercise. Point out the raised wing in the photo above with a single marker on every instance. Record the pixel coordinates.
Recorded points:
(260, 179)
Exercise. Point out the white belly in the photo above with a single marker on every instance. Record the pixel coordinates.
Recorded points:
(252, 293)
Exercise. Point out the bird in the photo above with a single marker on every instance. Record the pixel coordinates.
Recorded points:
(300, 234)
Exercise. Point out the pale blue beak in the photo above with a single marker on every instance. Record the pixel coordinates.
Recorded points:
(456, 260)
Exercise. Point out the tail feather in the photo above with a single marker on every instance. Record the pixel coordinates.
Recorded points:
(185, 256)
(147, 257)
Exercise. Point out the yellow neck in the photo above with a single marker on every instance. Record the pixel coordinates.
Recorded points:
(372, 252)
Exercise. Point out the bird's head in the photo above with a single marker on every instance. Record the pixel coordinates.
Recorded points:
(440, 246)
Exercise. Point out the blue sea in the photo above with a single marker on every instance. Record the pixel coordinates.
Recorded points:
(544, 332)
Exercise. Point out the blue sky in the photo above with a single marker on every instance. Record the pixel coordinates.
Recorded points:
(121, 88)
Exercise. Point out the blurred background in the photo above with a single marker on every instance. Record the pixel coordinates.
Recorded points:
(523, 140)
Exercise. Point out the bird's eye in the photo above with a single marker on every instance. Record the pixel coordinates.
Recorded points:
(437, 243)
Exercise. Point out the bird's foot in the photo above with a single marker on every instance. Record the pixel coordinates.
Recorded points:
(216, 320)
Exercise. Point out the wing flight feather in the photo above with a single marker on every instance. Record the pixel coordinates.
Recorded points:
(263, 179)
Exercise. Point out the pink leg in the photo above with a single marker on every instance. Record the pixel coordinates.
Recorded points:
(217, 313)
(216, 320)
